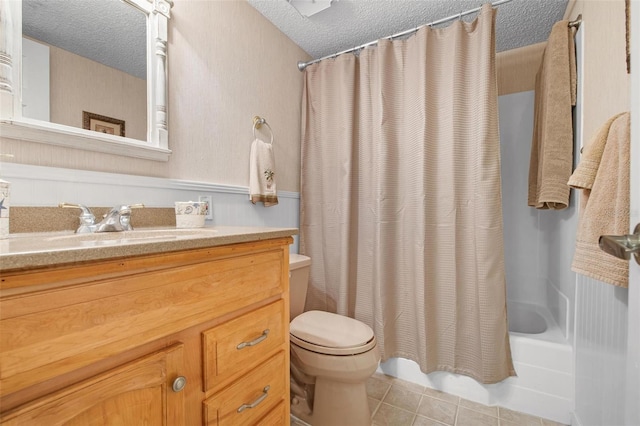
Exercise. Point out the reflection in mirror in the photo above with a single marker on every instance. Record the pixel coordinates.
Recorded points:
(85, 58)
(16, 121)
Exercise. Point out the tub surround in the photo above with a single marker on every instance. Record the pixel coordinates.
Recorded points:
(538, 272)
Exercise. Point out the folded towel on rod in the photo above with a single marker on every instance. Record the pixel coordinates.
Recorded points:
(603, 178)
(262, 176)
(552, 142)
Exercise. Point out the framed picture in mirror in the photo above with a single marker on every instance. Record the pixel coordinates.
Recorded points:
(102, 124)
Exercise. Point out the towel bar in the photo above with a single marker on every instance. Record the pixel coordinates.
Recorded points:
(257, 123)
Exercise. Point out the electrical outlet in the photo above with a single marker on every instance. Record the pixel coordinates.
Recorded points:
(207, 199)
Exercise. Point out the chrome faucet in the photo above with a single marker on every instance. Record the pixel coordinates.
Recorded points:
(87, 219)
(118, 219)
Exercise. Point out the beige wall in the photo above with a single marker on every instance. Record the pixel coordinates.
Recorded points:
(606, 82)
(79, 84)
(517, 68)
(227, 63)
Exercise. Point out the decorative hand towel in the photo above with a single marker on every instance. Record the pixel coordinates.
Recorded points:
(552, 143)
(262, 177)
(603, 177)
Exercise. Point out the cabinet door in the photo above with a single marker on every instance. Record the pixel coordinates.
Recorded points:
(136, 393)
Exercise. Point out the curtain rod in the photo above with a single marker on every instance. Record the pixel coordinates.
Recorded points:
(302, 65)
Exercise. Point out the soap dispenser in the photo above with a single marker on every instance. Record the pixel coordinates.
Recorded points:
(4, 209)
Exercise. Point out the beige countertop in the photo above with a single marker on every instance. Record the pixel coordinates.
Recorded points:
(25, 251)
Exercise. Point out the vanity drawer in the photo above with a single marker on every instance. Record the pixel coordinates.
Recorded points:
(234, 346)
(277, 416)
(253, 398)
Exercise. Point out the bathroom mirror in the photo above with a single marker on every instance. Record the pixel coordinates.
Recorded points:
(48, 80)
(85, 56)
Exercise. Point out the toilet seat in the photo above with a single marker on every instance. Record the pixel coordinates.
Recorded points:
(331, 334)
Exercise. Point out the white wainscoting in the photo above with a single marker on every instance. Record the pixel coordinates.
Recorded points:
(36, 186)
(600, 353)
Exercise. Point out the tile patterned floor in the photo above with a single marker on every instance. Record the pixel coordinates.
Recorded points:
(394, 402)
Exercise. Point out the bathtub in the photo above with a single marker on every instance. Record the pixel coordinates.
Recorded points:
(542, 357)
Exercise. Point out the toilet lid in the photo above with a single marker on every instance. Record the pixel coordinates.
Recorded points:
(329, 333)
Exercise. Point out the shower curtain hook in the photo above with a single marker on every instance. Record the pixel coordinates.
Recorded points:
(460, 16)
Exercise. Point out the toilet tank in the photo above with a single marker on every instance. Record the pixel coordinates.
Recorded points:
(298, 281)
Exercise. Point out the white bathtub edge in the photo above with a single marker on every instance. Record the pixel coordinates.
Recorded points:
(563, 307)
(504, 394)
(541, 358)
(575, 421)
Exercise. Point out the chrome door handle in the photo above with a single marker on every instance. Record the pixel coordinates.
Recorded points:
(622, 246)
(255, 341)
(254, 404)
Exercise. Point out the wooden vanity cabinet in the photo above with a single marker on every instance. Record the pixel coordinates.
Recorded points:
(136, 393)
(106, 342)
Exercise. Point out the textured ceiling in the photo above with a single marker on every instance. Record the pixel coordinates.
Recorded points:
(113, 33)
(110, 32)
(350, 23)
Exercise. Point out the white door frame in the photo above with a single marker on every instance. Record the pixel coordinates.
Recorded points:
(632, 411)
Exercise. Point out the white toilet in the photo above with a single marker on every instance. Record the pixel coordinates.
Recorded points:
(332, 356)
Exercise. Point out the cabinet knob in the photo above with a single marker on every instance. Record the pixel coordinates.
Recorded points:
(179, 383)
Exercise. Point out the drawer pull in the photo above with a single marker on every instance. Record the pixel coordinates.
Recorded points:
(257, 401)
(254, 342)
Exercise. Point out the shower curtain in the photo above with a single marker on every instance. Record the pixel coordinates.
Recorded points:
(400, 197)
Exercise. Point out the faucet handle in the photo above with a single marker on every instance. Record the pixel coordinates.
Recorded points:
(87, 219)
(125, 215)
(126, 208)
(85, 209)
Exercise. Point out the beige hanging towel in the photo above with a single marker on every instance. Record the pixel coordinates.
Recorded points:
(552, 143)
(262, 175)
(603, 177)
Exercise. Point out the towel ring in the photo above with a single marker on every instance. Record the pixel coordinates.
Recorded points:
(257, 123)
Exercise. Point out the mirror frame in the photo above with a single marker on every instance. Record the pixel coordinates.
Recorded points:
(14, 126)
